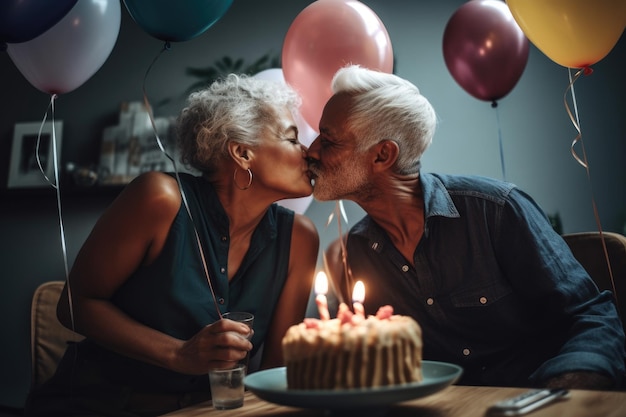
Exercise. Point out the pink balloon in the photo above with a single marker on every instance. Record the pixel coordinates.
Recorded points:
(484, 49)
(328, 35)
(65, 56)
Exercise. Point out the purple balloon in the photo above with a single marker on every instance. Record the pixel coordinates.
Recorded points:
(23, 20)
(484, 49)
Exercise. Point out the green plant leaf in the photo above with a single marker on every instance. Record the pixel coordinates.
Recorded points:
(227, 65)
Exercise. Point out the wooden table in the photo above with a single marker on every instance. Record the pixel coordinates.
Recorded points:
(454, 401)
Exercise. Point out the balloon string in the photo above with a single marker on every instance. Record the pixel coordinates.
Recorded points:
(576, 122)
(340, 212)
(500, 143)
(55, 184)
(166, 47)
(38, 145)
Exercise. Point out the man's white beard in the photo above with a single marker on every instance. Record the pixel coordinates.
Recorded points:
(349, 180)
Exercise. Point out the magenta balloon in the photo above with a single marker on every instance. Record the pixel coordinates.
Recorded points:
(70, 52)
(484, 49)
(325, 36)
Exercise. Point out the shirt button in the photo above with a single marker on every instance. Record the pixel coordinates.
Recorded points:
(430, 301)
(483, 300)
(405, 268)
(466, 352)
(375, 245)
(222, 270)
(224, 238)
(220, 300)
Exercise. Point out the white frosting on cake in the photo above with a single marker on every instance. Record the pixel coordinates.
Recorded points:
(353, 353)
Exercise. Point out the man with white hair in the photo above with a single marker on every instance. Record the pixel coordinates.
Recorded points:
(474, 260)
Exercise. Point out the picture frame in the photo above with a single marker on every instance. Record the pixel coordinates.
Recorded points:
(24, 171)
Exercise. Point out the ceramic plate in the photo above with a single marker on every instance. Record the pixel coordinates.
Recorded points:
(271, 385)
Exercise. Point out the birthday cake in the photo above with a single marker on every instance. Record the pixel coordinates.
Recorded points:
(353, 351)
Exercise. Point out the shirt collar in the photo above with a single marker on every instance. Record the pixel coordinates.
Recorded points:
(437, 202)
(437, 199)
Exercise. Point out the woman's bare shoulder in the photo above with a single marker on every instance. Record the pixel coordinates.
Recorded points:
(305, 241)
(302, 225)
(153, 190)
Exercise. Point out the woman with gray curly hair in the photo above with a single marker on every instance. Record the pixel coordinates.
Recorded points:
(139, 291)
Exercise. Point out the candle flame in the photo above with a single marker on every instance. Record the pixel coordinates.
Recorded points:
(358, 294)
(321, 283)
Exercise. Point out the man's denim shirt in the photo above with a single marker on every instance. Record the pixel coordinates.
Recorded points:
(494, 287)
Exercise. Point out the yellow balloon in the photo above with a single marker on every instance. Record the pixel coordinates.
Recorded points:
(572, 33)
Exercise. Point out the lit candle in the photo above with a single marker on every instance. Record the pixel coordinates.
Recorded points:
(358, 296)
(321, 288)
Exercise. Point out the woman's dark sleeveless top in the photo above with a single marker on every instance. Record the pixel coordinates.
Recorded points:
(173, 295)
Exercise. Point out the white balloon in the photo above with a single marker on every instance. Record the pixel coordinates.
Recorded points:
(305, 132)
(306, 135)
(299, 205)
(272, 74)
(65, 56)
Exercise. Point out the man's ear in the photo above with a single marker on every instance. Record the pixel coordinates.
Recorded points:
(386, 154)
(240, 154)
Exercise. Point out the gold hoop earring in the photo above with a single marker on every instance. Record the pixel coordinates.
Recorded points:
(249, 180)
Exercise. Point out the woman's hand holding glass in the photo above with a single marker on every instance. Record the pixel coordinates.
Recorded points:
(217, 346)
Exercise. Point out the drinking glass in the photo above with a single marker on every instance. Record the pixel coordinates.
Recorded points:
(247, 319)
(227, 387)
(242, 317)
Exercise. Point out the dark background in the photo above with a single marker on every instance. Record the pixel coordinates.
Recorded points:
(535, 128)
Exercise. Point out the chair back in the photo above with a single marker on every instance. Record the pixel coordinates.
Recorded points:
(588, 249)
(48, 337)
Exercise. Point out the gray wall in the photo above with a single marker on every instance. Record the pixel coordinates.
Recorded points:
(535, 128)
